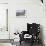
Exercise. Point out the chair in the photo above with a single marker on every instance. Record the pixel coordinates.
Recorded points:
(33, 30)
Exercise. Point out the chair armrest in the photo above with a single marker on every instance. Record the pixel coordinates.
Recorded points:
(24, 32)
(22, 35)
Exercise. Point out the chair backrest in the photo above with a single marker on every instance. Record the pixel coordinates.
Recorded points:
(33, 28)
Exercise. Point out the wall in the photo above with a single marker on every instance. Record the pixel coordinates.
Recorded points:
(3, 1)
(35, 12)
(4, 34)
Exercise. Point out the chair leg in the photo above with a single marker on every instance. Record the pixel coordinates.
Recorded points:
(32, 42)
(20, 42)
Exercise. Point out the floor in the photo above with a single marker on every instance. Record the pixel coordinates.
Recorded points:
(5, 44)
(23, 44)
(26, 44)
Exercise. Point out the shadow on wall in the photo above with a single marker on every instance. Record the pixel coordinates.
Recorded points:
(41, 34)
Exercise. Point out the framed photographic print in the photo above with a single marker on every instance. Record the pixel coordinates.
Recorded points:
(20, 13)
